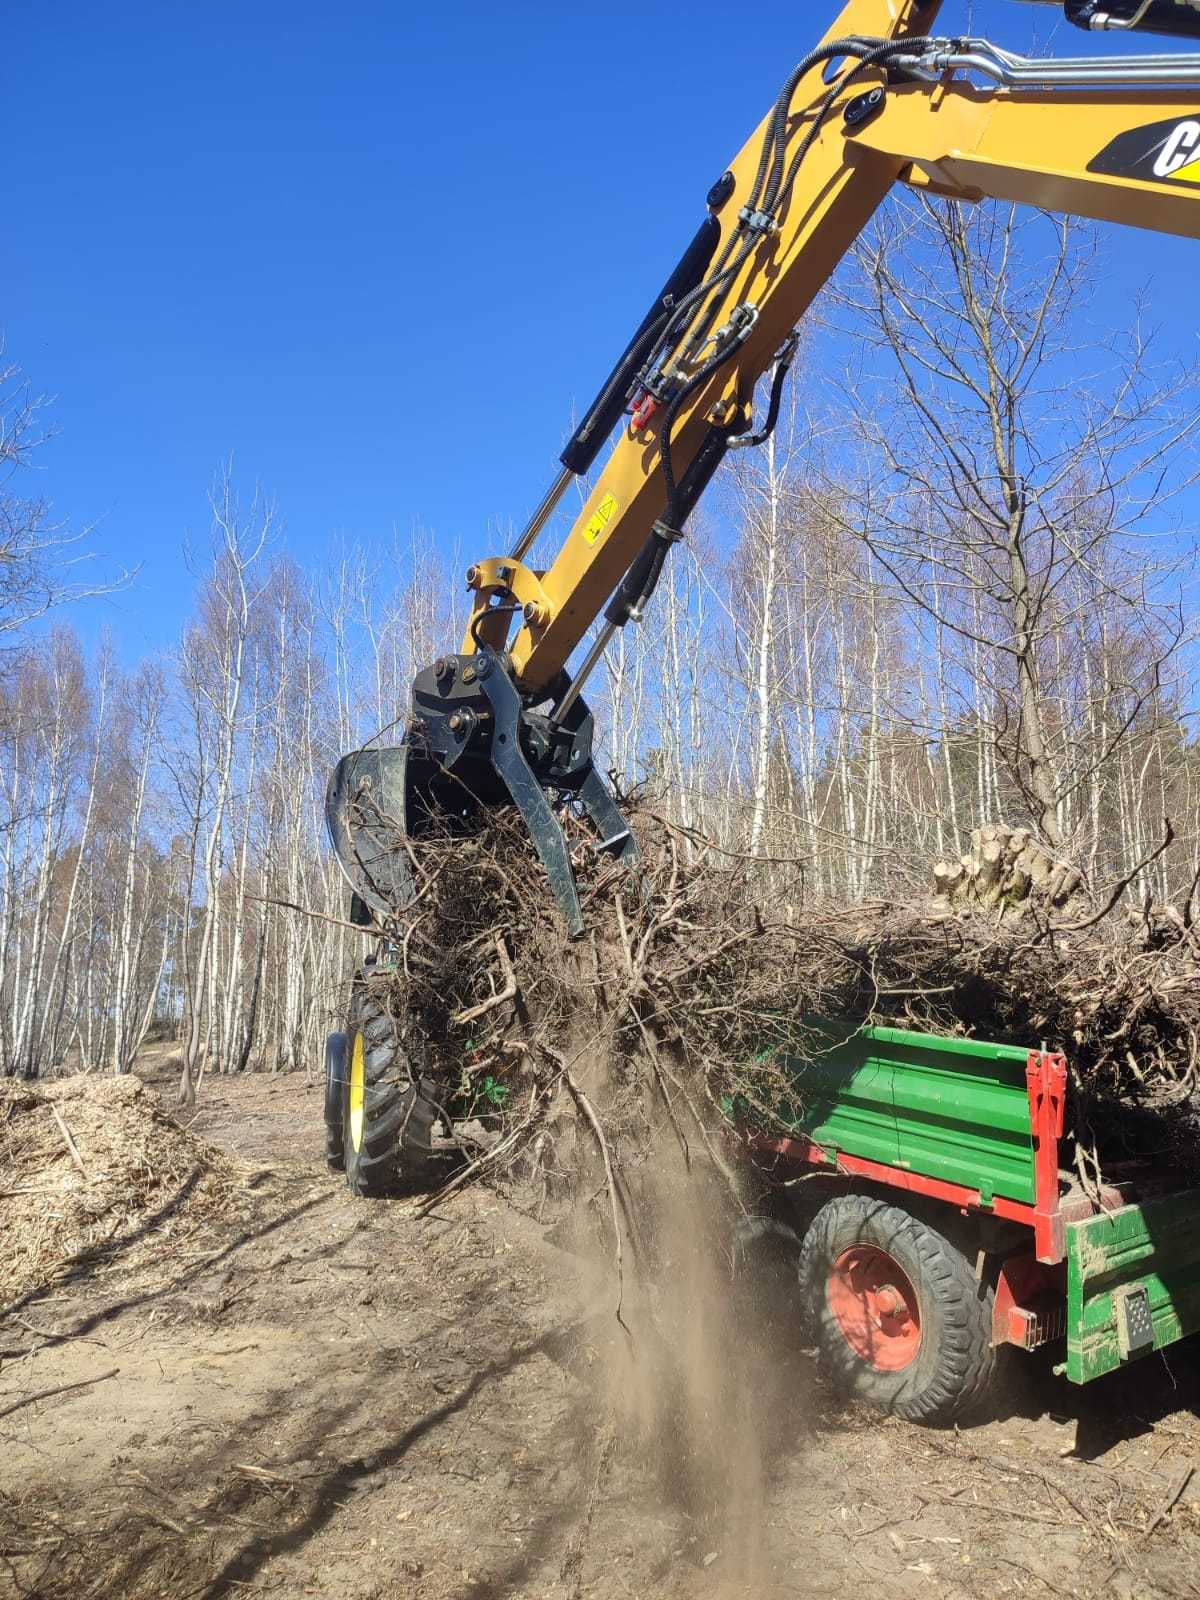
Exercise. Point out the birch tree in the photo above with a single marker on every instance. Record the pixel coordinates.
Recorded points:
(215, 662)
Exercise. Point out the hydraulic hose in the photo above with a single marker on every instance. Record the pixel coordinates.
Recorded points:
(640, 581)
(866, 53)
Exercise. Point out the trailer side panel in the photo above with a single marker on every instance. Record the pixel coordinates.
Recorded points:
(1133, 1283)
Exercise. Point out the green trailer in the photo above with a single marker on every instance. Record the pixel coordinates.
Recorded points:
(949, 1225)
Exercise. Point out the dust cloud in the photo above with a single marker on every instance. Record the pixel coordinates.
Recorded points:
(699, 1390)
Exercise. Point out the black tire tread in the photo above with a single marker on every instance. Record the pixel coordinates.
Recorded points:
(943, 1384)
(399, 1107)
(334, 1108)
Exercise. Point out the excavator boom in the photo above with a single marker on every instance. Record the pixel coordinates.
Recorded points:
(880, 101)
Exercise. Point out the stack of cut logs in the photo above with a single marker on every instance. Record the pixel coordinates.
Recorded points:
(1009, 871)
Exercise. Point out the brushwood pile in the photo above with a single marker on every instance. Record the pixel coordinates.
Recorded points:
(697, 973)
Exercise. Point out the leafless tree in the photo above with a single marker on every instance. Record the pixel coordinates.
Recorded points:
(1008, 461)
(215, 663)
(42, 563)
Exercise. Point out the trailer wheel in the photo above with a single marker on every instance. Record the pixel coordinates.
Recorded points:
(335, 1093)
(900, 1319)
(388, 1108)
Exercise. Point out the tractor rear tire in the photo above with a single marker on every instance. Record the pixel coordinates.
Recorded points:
(336, 1059)
(389, 1107)
(900, 1319)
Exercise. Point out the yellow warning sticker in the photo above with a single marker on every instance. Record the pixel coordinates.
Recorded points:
(600, 518)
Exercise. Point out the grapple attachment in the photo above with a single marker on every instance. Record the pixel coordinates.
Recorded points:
(366, 812)
(472, 742)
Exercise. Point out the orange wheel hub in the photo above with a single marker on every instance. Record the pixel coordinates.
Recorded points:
(876, 1307)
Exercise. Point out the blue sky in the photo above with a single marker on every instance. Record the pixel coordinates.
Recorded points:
(375, 253)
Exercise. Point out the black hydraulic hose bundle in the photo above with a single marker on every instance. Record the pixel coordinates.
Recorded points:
(783, 364)
(601, 417)
(776, 193)
(866, 54)
(640, 581)
(696, 277)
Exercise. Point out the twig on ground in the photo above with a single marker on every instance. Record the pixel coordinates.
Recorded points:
(58, 1388)
(1173, 1496)
(72, 1147)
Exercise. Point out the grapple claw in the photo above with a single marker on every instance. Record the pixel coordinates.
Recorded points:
(472, 742)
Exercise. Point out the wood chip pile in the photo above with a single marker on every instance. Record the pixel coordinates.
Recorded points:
(91, 1172)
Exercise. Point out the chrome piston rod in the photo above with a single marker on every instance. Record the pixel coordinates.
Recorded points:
(542, 515)
(599, 646)
(1066, 72)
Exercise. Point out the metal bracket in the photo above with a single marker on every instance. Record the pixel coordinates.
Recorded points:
(606, 817)
(472, 743)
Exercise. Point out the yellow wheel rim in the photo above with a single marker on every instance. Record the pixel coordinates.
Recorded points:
(357, 1091)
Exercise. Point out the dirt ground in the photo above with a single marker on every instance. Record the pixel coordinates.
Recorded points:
(332, 1397)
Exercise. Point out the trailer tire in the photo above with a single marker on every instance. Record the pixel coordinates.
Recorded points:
(900, 1319)
(389, 1106)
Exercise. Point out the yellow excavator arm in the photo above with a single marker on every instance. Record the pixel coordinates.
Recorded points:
(881, 100)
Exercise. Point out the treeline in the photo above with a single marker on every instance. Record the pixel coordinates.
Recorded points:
(956, 591)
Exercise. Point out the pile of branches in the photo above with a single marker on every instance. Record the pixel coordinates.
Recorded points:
(699, 970)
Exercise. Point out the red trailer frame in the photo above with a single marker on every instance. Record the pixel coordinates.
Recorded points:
(1030, 1303)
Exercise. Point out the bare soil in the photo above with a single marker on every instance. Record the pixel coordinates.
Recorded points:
(326, 1396)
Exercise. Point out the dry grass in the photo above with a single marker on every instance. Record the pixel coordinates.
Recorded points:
(91, 1169)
